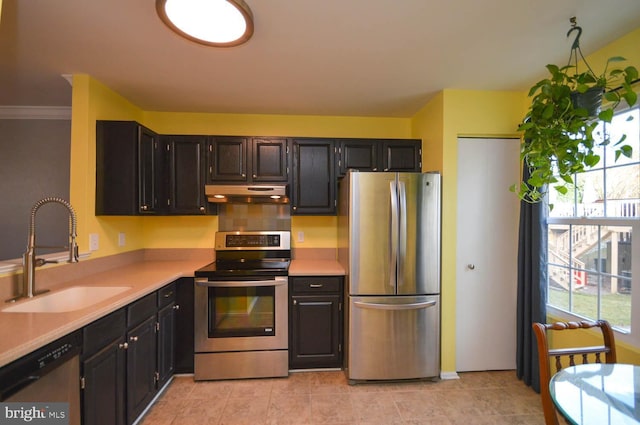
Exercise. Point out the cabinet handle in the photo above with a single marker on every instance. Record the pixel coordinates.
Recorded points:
(168, 294)
(176, 307)
(144, 207)
(295, 302)
(244, 175)
(123, 346)
(202, 209)
(133, 338)
(316, 285)
(255, 175)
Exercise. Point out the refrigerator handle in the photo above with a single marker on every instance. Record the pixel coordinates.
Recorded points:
(402, 239)
(410, 306)
(393, 233)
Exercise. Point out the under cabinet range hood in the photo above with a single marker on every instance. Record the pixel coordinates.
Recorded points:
(247, 194)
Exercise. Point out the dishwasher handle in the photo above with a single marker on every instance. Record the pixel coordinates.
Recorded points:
(204, 282)
(408, 306)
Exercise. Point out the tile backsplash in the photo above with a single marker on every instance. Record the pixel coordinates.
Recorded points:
(250, 217)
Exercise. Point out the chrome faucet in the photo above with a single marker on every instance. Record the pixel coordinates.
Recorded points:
(29, 260)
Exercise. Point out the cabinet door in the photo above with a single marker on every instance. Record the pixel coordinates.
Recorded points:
(358, 154)
(141, 367)
(103, 393)
(227, 159)
(127, 158)
(186, 174)
(148, 170)
(166, 343)
(269, 160)
(184, 322)
(314, 183)
(315, 324)
(402, 155)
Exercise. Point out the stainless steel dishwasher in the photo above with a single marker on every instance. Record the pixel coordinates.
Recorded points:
(50, 374)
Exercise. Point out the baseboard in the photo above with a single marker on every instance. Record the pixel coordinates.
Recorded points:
(449, 375)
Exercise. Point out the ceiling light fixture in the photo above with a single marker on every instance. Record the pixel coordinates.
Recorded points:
(219, 23)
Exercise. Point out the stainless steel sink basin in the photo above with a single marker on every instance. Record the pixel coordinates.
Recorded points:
(70, 299)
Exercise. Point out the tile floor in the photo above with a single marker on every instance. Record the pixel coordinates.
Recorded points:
(325, 397)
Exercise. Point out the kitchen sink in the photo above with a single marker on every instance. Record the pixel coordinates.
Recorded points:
(70, 299)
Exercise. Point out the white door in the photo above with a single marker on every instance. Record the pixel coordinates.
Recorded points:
(486, 261)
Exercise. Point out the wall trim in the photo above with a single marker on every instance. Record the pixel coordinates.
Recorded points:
(449, 375)
(35, 112)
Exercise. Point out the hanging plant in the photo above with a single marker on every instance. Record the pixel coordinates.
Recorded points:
(558, 129)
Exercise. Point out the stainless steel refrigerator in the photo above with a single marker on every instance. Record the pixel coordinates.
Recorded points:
(389, 244)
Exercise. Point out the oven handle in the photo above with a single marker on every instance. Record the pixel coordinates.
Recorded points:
(240, 283)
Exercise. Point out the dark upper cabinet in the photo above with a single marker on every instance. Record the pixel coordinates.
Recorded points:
(379, 155)
(269, 160)
(128, 168)
(358, 154)
(402, 155)
(185, 174)
(227, 159)
(233, 159)
(314, 180)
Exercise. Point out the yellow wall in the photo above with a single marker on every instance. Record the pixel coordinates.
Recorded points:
(94, 101)
(449, 115)
(452, 114)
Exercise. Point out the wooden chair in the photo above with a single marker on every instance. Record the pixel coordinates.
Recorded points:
(565, 356)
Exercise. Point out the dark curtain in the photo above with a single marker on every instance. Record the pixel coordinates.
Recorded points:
(532, 289)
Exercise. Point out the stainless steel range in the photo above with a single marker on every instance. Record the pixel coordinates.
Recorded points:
(241, 326)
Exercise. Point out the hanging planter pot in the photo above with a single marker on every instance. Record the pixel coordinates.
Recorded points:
(591, 100)
(558, 135)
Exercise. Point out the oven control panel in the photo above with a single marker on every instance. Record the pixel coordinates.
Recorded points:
(252, 240)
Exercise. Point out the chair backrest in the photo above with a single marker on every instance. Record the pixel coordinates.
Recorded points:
(566, 356)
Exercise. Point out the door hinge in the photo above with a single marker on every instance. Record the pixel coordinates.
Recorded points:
(339, 306)
(82, 383)
(339, 348)
(157, 327)
(156, 377)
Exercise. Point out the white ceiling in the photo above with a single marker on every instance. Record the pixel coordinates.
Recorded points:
(318, 57)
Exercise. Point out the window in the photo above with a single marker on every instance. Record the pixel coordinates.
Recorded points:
(590, 249)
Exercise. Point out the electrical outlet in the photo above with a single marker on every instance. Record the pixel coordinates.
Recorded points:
(121, 239)
(300, 236)
(94, 242)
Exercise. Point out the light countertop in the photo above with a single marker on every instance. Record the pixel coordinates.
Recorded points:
(310, 267)
(22, 333)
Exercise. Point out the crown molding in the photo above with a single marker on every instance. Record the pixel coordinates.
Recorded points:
(35, 112)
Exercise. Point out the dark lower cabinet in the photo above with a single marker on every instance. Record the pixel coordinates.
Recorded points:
(315, 322)
(127, 357)
(141, 367)
(184, 351)
(104, 386)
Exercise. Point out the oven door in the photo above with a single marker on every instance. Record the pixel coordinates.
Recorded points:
(241, 315)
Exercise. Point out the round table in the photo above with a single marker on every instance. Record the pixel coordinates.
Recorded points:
(598, 394)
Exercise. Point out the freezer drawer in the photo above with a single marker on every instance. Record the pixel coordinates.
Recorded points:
(393, 337)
